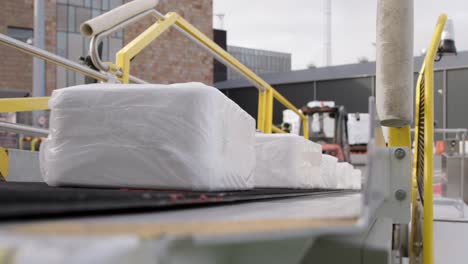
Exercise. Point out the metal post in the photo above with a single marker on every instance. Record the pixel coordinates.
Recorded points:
(462, 181)
(39, 89)
(315, 90)
(327, 32)
(373, 85)
(444, 101)
(23, 129)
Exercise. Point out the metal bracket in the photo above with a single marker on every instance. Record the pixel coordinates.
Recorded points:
(397, 189)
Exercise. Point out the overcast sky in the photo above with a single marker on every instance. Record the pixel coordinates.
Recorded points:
(294, 26)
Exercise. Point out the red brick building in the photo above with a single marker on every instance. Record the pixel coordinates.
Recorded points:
(171, 58)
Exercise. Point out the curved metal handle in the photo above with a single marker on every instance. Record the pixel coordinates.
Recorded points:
(116, 16)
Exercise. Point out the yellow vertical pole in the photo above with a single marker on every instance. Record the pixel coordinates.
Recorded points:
(428, 156)
(20, 142)
(305, 127)
(261, 111)
(399, 137)
(32, 146)
(428, 141)
(3, 163)
(268, 111)
(414, 183)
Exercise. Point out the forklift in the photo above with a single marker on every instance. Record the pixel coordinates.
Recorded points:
(334, 139)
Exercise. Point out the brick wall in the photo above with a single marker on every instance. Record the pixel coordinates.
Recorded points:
(171, 58)
(50, 14)
(16, 67)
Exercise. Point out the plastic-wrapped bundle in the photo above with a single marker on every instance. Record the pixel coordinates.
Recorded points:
(328, 178)
(181, 136)
(357, 179)
(343, 174)
(286, 161)
(358, 129)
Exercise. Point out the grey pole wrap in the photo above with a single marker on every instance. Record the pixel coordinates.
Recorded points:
(394, 62)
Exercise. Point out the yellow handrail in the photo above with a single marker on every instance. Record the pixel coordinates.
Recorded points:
(23, 104)
(424, 129)
(266, 92)
(278, 130)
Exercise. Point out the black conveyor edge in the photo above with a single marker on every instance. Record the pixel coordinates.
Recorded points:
(23, 200)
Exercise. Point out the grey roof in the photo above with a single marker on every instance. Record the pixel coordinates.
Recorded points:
(231, 48)
(13, 93)
(339, 72)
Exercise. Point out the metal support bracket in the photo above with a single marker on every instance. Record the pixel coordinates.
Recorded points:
(397, 201)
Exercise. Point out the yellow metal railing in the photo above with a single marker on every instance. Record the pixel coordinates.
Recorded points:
(266, 92)
(23, 104)
(423, 145)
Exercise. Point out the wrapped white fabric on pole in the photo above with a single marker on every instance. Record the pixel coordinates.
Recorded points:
(286, 161)
(116, 16)
(180, 136)
(394, 62)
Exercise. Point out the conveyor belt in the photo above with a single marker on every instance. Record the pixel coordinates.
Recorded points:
(39, 200)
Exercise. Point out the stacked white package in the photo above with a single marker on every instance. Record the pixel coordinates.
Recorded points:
(327, 172)
(328, 125)
(289, 116)
(286, 161)
(343, 174)
(358, 128)
(316, 160)
(356, 178)
(182, 136)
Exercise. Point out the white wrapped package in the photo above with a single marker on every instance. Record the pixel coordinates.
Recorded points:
(343, 174)
(358, 129)
(286, 161)
(180, 136)
(327, 172)
(289, 116)
(356, 179)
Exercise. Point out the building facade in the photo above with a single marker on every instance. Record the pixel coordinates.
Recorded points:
(171, 58)
(259, 61)
(351, 86)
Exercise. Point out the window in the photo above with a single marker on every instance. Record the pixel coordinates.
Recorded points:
(71, 19)
(70, 44)
(82, 15)
(61, 18)
(22, 34)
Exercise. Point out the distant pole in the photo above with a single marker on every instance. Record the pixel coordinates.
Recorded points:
(38, 64)
(327, 14)
(220, 17)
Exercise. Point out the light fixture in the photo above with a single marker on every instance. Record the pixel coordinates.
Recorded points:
(447, 42)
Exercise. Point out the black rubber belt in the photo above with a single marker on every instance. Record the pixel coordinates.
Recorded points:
(38, 200)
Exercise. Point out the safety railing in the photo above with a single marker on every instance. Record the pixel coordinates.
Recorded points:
(421, 238)
(125, 15)
(41, 103)
(266, 92)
